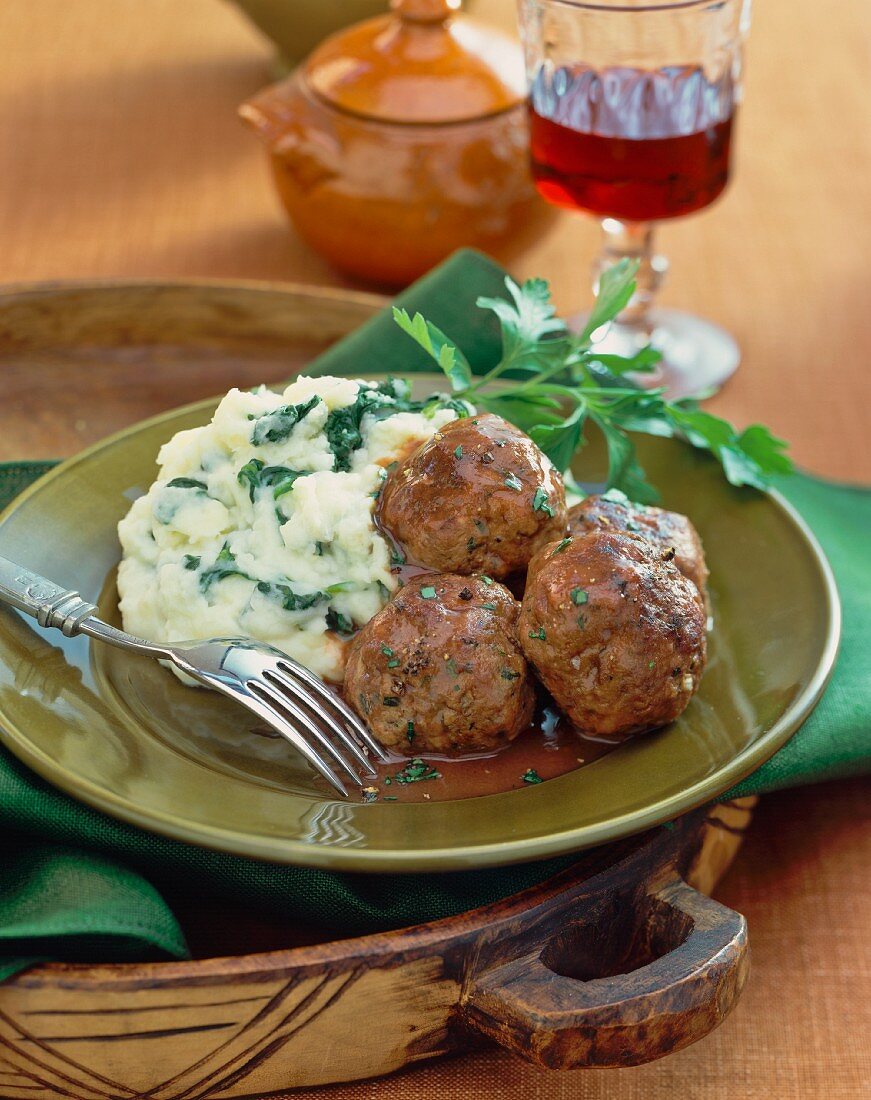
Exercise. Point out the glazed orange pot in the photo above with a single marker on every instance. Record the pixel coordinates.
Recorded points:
(401, 140)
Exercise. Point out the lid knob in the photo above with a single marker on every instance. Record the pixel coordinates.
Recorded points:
(424, 62)
(425, 11)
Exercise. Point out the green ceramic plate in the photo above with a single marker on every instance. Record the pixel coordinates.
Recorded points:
(123, 735)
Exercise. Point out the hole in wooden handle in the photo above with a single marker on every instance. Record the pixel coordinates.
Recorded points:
(627, 933)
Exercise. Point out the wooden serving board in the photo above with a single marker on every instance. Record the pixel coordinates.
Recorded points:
(620, 960)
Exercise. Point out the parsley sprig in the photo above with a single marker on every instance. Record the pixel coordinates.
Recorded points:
(552, 384)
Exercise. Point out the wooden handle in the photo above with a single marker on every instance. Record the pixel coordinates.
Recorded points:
(639, 978)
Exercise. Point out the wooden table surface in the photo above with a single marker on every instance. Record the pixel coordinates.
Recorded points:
(120, 155)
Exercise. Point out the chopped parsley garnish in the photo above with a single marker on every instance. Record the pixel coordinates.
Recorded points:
(560, 546)
(427, 592)
(389, 798)
(531, 776)
(224, 566)
(489, 606)
(288, 598)
(394, 662)
(276, 426)
(507, 674)
(416, 771)
(285, 484)
(191, 561)
(513, 482)
(458, 451)
(256, 475)
(579, 596)
(396, 556)
(387, 651)
(487, 580)
(540, 503)
(651, 664)
(540, 634)
(451, 666)
(409, 732)
(187, 483)
(338, 622)
(380, 401)
(390, 701)
(340, 586)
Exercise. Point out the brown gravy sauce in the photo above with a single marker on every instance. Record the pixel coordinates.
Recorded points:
(549, 747)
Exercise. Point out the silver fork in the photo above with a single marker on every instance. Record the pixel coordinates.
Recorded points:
(288, 697)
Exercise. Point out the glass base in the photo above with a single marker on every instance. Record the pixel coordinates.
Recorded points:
(697, 356)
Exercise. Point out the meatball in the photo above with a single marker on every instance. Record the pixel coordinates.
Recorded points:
(666, 530)
(479, 497)
(615, 631)
(439, 668)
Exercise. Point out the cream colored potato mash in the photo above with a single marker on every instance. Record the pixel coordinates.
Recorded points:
(261, 522)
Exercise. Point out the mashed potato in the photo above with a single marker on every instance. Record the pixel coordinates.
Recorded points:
(261, 522)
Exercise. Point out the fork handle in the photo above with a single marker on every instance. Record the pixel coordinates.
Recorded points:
(65, 610)
(45, 601)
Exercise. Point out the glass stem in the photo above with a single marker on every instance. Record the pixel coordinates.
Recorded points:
(634, 241)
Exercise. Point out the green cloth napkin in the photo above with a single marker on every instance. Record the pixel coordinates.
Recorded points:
(76, 884)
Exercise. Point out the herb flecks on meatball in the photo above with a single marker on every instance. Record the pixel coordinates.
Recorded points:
(439, 668)
(615, 631)
(665, 530)
(479, 497)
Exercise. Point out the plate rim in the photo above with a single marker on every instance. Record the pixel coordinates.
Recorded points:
(501, 853)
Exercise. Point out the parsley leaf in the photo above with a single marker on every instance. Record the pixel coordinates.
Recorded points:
(559, 384)
(186, 483)
(540, 502)
(288, 598)
(338, 622)
(434, 342)
(343, 426)
(276, 426)
(224, 566)
(616, 287)
(532, 335)
(255, 474)
(560, 442)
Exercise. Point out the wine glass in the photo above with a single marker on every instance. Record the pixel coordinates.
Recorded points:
(631, 107)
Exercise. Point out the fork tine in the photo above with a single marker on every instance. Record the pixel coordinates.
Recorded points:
(280, 700)
(280, 724)
(303, 695)
(287, 665)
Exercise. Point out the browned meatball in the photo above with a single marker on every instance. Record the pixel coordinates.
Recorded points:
(666, 530)
(615, 631)
(439, 668)
(479, 497)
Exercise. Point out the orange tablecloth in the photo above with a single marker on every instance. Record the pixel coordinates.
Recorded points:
(120, 155)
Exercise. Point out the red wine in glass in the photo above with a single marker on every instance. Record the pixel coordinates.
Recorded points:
(631, 144)
(632, 108)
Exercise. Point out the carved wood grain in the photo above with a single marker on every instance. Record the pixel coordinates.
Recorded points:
(250, 1025)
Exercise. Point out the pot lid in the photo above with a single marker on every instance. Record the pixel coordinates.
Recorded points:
(422, 63)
